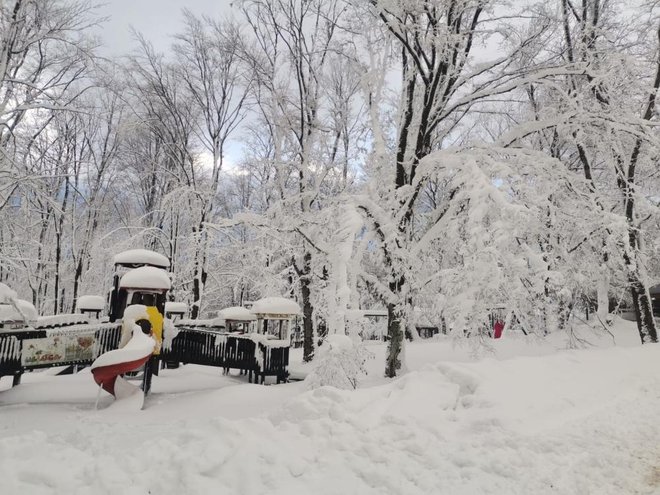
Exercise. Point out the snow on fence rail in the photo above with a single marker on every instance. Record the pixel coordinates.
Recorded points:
(61, 320)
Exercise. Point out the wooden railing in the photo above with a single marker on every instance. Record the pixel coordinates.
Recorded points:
(209, 347)
(27, 349)
(20, 350)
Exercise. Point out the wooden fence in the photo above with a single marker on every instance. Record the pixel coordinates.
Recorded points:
(223, 350)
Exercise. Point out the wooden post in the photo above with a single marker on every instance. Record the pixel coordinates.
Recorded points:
(148, 372)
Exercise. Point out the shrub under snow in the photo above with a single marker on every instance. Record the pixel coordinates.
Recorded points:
(340, 363)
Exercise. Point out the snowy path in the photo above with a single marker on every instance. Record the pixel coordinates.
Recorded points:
(575, 422)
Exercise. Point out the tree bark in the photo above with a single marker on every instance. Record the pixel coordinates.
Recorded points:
(395, 342)
(305, 292)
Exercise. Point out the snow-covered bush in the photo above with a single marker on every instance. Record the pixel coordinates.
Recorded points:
(340, 363)
(6, 294)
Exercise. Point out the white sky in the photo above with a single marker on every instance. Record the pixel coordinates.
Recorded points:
(157, 20)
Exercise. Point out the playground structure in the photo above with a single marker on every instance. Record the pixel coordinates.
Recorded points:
(238, 339)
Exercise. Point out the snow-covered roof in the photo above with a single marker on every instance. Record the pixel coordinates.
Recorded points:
(361, 313)
(213, 322)
(145, 277)
(90, 303)
(236, 313)
(275, 305)
(141, 257)
(176, 307)
(8, 312)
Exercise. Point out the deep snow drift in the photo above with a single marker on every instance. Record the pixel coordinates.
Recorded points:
(567, 422)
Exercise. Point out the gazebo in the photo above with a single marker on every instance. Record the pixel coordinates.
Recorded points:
(174, 310)
(237, 319)
(274, 316)
(90, 304)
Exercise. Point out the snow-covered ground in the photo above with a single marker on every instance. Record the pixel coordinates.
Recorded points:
(524, 417)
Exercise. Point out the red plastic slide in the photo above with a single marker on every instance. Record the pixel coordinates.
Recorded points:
(106, 376)
(138, 348)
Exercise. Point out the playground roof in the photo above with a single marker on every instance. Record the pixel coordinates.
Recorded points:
(237, 313)
(141, 257)
(90, 303)
(363, 313)
(176, 307)
(276, 305)
(146, 277)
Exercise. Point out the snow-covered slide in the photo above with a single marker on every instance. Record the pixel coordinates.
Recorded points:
(135, 349)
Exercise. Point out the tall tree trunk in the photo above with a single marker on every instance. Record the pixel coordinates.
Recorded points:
(304, 275)
(57, 303)
(76, 279)
(56, 282)
(199, 271)
(639, 289)
(395, 342)
(196, 293)
(395, 332)
(646, 327)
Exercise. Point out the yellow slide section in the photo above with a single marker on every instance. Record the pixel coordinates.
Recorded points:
(156, 320)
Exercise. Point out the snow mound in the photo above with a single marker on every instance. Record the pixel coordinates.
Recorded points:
(129, 398)
(572, 423)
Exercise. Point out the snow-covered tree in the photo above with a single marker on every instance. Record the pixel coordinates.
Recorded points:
(290, 52)
(341, 363)
(600, 121)
(441, 84)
